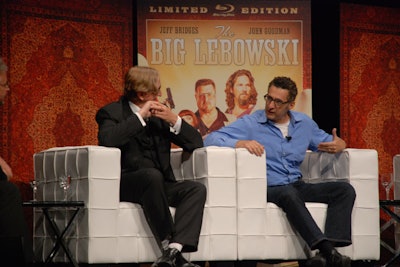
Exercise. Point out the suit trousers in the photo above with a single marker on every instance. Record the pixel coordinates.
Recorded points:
(340, 198)
(149, 188)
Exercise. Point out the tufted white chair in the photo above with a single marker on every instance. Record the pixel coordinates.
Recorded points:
(265, 233)
(109, 231)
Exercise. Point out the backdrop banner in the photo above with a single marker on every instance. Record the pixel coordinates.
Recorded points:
(370, 83)
(194, 40)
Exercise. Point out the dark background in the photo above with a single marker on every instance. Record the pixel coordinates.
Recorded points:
(325, 34)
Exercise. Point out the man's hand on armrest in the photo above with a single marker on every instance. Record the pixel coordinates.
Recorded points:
(252, 146)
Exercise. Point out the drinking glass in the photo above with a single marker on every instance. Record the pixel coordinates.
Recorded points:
(34, 185)
(387, 182)
(65, 182)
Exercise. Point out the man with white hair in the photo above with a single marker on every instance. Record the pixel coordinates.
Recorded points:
(15, 245)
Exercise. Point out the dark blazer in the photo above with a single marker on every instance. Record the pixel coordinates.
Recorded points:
(120, 127)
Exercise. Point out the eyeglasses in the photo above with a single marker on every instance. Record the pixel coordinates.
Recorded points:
(277, 101)
(6, 85)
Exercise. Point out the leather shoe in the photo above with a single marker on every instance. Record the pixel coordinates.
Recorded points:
(167, 259)
(317, 261)
(338, 260)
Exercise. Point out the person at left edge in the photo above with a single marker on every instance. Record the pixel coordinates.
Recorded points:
(143, 129)
(15, 240)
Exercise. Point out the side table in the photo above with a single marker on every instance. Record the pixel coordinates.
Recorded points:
(59, 233)
(386, 205)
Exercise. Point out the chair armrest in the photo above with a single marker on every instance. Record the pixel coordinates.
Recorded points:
(94, 170)
(215, 167)
(357, 166)
(251, 179)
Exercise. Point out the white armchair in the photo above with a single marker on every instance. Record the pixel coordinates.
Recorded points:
(238, 223)
(263, 230)
(109, 231)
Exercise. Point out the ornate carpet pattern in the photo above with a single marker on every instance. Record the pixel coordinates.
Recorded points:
(66, 59)
(370, 80)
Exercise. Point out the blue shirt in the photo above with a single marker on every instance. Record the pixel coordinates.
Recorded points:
(283, 156)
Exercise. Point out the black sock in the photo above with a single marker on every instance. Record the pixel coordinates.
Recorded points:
(325, 247)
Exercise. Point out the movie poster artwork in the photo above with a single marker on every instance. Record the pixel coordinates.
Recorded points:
(230, 50)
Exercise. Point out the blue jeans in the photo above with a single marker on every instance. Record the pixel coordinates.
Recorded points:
(340, 198)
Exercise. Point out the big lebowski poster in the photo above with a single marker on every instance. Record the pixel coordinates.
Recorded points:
(191, 42)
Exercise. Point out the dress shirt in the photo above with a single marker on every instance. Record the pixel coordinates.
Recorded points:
(284, 154)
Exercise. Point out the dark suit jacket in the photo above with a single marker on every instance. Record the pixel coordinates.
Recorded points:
(120, 127)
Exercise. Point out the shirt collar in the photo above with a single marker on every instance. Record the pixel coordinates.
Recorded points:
(294, 117)
(133, 107)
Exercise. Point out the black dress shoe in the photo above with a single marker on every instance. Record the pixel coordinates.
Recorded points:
(168, 258)
(317, 261)
(338, 260)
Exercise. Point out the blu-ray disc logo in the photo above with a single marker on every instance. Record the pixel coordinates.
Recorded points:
(225, 8)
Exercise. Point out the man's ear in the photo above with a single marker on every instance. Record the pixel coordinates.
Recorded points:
(141, 95)
(292, 104)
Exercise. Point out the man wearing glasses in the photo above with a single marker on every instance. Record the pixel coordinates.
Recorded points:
(286, 135)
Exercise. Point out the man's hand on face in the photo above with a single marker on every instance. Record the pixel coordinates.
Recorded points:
(163, 112)
(145, 111)
(159, 110)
